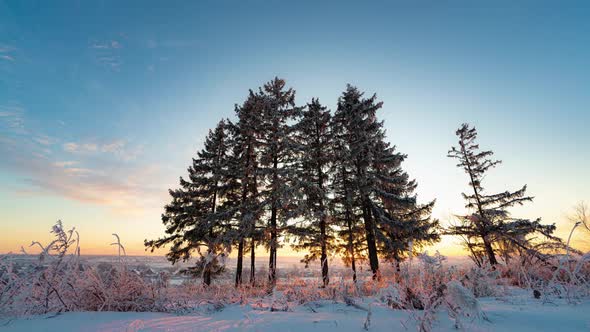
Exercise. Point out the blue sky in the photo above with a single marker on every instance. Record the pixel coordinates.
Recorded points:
(102, 104)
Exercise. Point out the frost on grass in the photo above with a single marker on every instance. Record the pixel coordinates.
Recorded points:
(425, 294)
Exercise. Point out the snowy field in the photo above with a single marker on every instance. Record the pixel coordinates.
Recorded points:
(430, 293)
(507, 314)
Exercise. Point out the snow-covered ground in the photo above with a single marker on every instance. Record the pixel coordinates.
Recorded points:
(296, 303)
(505, 314)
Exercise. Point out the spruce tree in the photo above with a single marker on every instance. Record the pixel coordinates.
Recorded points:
(356, 119)
(489, 224)
(402, 224)
(344, 207)
(245, 167)
(313, 139)
(192, 219)
(381, 191)
(276, 161)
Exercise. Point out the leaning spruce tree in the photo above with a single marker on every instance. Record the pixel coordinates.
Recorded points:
(312, 139)
(192, 219)
(489, 224)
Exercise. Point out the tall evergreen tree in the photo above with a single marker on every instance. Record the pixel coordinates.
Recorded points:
(276, 161)
(192, 220)
(380, 188)
(489, 224)
(357, 121)
(245, 167)
(344, 205)
(313, 139)
(403, 225)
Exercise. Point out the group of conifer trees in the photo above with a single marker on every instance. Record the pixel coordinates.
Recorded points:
(329, 182)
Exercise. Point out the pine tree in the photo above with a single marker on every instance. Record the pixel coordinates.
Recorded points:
(276, 161)
(358, 128)
(402, 224)
(192, 219)
(245, 167)
(406, 231)
(313, 139)
(381, 190)
(344, 207)
(490, 225)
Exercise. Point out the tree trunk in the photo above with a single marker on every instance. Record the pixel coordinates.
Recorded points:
(353, 265)
(273, 247)
(207, 276)
(397, 262)
(272, 262)
(484, 222)
(348, 217)
(239, 264)
(323, 235)
(489, 251)
(253, 264)
(351, 244)
(210, 251)
(324, 255)
(370, 235)
(245, 183)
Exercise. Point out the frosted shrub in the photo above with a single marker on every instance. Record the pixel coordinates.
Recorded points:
(482, 281)
(418, 283)
(48, 286)
(570, 280)
(433, 273)
(458, 301)
(391, 296)
(461, 302)
(60, 281)
(10, 285)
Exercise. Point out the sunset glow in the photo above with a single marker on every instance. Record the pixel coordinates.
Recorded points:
(100, 115)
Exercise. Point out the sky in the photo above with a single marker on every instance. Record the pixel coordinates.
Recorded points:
(103, 104)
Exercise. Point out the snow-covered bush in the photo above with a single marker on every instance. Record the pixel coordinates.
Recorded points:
(59, 280)
(461, 302)
(482, 281)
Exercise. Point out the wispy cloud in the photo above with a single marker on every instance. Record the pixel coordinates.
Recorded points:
(95, 174)
(123, 191)
(173, 43)
(80, 148)
(6, 52)
(12, 118)
(45, 140)
(112, 44)
(119, 148)
(107, 53)
(114, 62)
(7, 57)
(63, 164)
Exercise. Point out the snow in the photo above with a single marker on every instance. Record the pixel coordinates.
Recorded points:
(513, 313)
